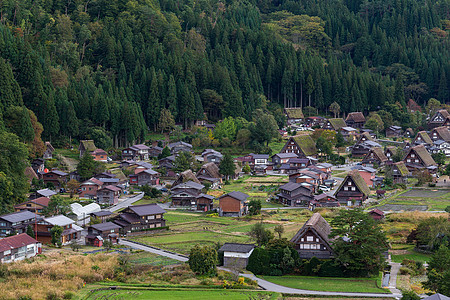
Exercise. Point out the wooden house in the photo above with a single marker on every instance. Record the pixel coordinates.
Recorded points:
(42, 193)
(185, 194)
(209, 173)
(409, 133)
(399, 173)
(353, 190)
(144, 176)
(71, 231)
(335, 124)
(108, 195)
(136, 152)
(294, 194)
(107, 231)
(154, 151)
(294, 115)
(56, 177)
(140, 218)
(211, 155)
(316, 121)
(180, 147)
(282, 158)
(302, 145)
(390, 152)
(349, 133)
(37, 205)
(368, 174)
(100, 155)
(412, 106)
(236, 255)
(86, 146)
(38, 165)
(440, 133)
(355, 120)
(376, 214)
(17, 222)
(204, 202)
(233, 204)
(394, 131)
(312, 240)
(186, 176)
(447, 123)
(363, 145)
(18, 247)
(48, 152)
(438, 118)
(375, 156)
(323, 200)
(441, 146)
(418, 158)
(90, 187)
(166, 164)
(103, 215)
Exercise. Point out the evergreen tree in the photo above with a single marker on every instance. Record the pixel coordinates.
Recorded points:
(227, 167)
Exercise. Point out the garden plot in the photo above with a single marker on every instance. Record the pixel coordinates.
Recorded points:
(402, 207)
(424, 193)
(418, 199)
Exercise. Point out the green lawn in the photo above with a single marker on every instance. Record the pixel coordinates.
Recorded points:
(141, 293)
(410, 254)
(184, 241)
(147, 258)
(354, 285)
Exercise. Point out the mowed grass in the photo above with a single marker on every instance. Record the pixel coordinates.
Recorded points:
(139, 293)
(407, 252)
(353, 285)
(183, 242)
(148, 258)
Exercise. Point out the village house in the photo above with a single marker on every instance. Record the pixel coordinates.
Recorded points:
(179, 147)
(390, 152)
(38, 165)
(48, 152)
(55, 177)
(294, 165)
(306, 178)
(282, 158)
(144, 176)
(302, 145)
(412, 106)
(363, 145)
(369, 131)
(440, 146)
(86, 146)
(37, 205)
(185, 176)
(376, 214)
(312, 240)
(42, 193)
(334, 124)
(323, 200)
(209, 173)
(71, 231)
(418, 158)
(422, 138)
(30, 174)
(140, 218)
(399, 173)
(99, 233)
(185, 194)
(18, 247)
(438, 118)
(368, 174)
(355, 120)
(211, 155)
(393, 131)
(100, 155)
(293, 115)
(375, 156)
(236, 255)
(409, 133)
(233, 204)
(440, 133)
(136, 152)
(166, 164)
(294, 194)
(353, 190)
(315, 121)
(349, 133)
(17, 222)
(154, 151)
(108, 195)
(103, 215)
(204, 202)
(89, 188)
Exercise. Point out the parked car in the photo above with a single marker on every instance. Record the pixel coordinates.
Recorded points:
(324, 188)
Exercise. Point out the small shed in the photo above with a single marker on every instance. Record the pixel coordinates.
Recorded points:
(376, 214)
(236, 255)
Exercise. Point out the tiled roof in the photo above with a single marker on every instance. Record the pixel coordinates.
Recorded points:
(19, 216)
(112, 188)
(236, 195)
(59, 220)
(46, 192)
(146, 209)
(105, 226)
(239, 248)
(290, 186)
(16, 241)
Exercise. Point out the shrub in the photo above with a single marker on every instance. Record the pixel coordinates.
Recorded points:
(259, 261)
(330, 269)
(406, 271)
(409, 295)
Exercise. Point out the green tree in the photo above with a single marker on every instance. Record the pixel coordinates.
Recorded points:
(374, 123)
(359, 242)
(265, 127)
(246, 169)
(166, 121)
(261, 235)
(243, 137)
(165, 153)
(335, 108)
(87, 167)
(183, 161)
(438, 271)
(340, 141)
(279, 229)
(324, 146)
(432, 107)
(225, 129)
(227, 167)
(254, 207)
(409, 295)
(203, 260)
(56, 233)
(439, 158)
(30, 231)
(58, 205)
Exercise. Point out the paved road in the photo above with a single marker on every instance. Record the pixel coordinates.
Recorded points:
(269, 286)
(395, 267)
(127, 202)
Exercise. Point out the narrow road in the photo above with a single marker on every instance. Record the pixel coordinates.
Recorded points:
(395, 267)
(127, 202)
(269, 286)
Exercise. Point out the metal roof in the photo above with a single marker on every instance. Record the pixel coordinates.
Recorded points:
(19, 216)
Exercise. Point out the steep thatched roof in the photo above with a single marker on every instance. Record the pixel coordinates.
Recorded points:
(401, 167)
(424, 137)
(307, 144)
(424, 155)
(316, 223)
(30, 174)
(337, 123)
(212, 169)
(356, 117)
(186, 176)
(442, 132)
(378, 151)
(367, 136)
(358, 180)
(294, 113)
(393, 149)
(87, 145)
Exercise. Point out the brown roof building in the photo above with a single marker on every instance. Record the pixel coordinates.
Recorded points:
(438, 118)
(355, 120)
(375, 155)
(418, 158)
(233, 204)
(37, 205)
(440, 133)
(353, 190)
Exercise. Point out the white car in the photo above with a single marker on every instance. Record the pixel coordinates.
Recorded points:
(324, 188)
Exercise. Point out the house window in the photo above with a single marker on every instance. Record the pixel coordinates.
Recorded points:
(317, 239)
(349, 183)
(353, 188)
(416, 160)
(310, 239)
(303, 239)
(408, 160)
(413, 155)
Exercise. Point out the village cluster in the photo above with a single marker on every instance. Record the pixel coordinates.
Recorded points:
(311, 183)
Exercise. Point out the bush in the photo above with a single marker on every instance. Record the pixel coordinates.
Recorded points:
(409, 295)
(312, 266)
(259, 262)
(330, 269)
(406, 271)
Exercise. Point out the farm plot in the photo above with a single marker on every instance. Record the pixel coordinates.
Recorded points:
(418, 199)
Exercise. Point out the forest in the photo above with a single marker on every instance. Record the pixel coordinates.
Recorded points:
(107, 70)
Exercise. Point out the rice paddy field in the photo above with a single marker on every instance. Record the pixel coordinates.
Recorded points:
(418, 199)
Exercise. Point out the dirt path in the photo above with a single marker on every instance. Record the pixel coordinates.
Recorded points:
(70, 163)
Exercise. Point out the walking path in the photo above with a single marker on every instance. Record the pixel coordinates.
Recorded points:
(395, 267)
(267, 285)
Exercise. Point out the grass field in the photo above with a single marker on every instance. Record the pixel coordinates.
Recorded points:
(151, 259)
(355, 285)
(141, 293)
(401, 252)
